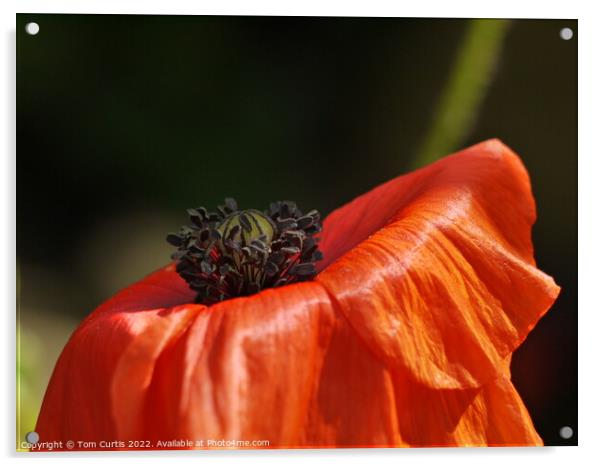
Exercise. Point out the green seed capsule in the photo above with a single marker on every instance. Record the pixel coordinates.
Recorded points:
(252, 225)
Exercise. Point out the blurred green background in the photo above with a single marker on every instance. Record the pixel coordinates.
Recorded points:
(125, 121)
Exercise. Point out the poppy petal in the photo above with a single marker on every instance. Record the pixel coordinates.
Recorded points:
(243, 370)
(78, 400)
(354, 401)
(508, 421)
(282, 366)
(492, 415)
(435, 269)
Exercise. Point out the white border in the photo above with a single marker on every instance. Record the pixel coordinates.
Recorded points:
(429, 8)
(590, 206)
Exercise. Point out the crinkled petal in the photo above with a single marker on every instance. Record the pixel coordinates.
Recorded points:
(80, 398)
(435, 269)
(492, 415)
(245, 370)
(354, 402)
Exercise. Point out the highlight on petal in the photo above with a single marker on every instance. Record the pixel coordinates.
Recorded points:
(245, 370)
(435, 269)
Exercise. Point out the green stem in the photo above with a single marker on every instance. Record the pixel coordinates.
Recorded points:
(465, 90)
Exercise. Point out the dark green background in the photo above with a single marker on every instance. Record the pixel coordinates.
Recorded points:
(124, 121)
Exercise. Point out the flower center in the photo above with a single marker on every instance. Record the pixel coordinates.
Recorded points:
(235, 252)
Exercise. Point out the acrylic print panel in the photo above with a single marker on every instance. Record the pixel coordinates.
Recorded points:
(386, 256)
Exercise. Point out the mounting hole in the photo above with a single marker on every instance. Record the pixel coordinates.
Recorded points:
(32, 437)
(32, 28)
(566, 33)
(566, 432)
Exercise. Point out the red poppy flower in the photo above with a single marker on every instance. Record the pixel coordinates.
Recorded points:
(404, 338)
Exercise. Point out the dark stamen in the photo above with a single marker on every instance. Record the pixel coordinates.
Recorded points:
(236, 253)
